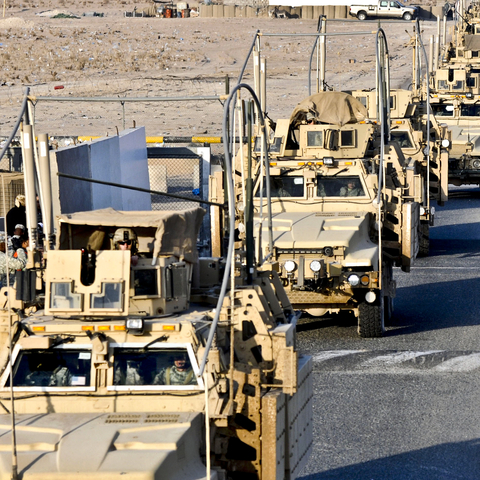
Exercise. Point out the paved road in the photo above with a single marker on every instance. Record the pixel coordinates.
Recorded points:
(406, 406)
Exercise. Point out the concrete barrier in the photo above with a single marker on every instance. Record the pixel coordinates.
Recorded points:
(296, 12)
(317, 11)
(341, 11)
(329, 11)
(206, 11)
(307, 12)
(437, 12)
(217, 11)
(229, 11)
(250, 12)
(425, 12)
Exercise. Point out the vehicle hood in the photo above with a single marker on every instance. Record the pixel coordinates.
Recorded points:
(318, 230)
(104, 446)
(462, 134)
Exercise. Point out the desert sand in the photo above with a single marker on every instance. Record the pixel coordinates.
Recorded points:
(118, 56)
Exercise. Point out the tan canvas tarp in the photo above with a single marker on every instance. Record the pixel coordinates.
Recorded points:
(333, 108)
(164, 232)
(472, 42)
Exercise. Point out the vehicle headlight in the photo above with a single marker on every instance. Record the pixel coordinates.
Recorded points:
(290, 266)
(315, 266)
(353, 280)
(370, 297)
(365, 280)
(445, 143)
(476, 164)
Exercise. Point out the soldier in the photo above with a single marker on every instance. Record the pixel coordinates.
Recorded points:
(180, 373)
(16, 215)
(16, 261)
(351, 189)
(126, 239)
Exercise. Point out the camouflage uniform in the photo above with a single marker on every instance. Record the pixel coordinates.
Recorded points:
(130, 376)
(172, 376)
(16, 261)
(351, 192)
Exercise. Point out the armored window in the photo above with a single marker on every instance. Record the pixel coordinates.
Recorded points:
(474, 55)
(62, 297)
(285, 186)
(471, 81)
(458, 85)
(347, 138)
(344, 186)
(57, 367)
(469, 110)
(402, 138)
(442, 85)
(442, 110)
(315, 138)
(363, 100)
(145, 282)
(172, 367)
(110, 297)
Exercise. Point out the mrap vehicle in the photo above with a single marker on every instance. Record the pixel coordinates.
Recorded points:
(109, 370)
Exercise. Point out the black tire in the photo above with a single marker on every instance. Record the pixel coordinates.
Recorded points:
(424, 239)
(370, 322)
(407, 16)
(362, 16)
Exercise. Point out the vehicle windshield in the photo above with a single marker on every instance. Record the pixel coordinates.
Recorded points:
(285, 186)
(442, 110)
(344, 186)
(402, 138)
(52, 368)
(136, 366)
(469, 110)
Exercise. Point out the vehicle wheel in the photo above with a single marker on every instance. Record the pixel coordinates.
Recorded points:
(407, 16)
(370, 322)
(362, 16)
(424, 239)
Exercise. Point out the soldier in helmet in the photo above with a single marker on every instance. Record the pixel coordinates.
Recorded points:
(180, 373)
(126, 239)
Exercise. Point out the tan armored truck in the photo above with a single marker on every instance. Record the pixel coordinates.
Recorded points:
(342, 218)
(410, 130)
(106, 377)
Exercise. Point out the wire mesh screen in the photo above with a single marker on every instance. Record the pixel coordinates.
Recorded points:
(13, 185)
(178, 175)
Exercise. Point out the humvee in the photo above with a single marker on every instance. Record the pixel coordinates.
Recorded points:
(116, 374)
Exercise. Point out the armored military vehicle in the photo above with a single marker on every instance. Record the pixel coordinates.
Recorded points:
(410, 127)
(346, 200)
(455, 92)
(114, 373)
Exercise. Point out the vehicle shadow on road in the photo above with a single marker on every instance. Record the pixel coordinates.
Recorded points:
(447, 461)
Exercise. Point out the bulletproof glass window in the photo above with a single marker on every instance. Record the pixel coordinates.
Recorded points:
(442, 85)
(141, 366)
(472, 81)
(442, 109)
(109, 298)
(315, 138)
(62, 298)
(344, 186)
(458, 85)
(470, 110)
(145, 282)
(52, 368)
(347, 138)
(285, 186)
(363, 100)
(402, 138)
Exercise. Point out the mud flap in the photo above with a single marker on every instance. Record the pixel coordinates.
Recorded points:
(410, 228)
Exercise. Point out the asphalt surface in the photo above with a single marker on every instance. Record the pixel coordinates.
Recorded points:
(406, 406)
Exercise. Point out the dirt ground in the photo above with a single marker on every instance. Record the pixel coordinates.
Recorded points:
(118, 56)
